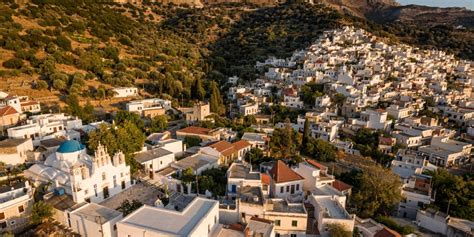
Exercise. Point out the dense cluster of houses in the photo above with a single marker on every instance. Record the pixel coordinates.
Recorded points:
(392, 88)
(385, 88)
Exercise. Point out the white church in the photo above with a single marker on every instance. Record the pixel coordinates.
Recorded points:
(84, 177)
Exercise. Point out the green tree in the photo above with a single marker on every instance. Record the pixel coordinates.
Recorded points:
(320, 150)
(306, 133)
(187, 176)
(13, 63)
(191, 141)
(197, 90)
(379, 192)
(159, 123)
(122, 116)
(40, 213)
(41, 85)
(59, 84)
(338, 99)
(128, 207)
(205, 183)
(454, 194)
(249, 120)
(63, 42)
(338, 230)
(254, 156)
(217, 104)
(284, 141)
(117, 139)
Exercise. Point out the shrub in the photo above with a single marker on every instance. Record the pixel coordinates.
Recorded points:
(13, 63)
(41, 85)
(63, 42)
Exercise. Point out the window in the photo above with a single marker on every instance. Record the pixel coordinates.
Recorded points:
(277, 222)
(115, 181)
(298, 187)
(277, 235)
(294, 223)
(2, 215)
(287, 188)
(293, 235)
(104, 176)
(21, 209)
(208, 228)
(281, 190)
(115, 227)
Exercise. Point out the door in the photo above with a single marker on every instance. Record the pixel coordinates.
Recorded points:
(292, 189)
(123, 184)
(105, 191)
(151, 174)
(234, 188)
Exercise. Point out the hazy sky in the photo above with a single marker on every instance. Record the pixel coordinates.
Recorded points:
(441, 3)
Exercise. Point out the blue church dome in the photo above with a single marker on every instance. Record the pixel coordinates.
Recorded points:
(70, 146)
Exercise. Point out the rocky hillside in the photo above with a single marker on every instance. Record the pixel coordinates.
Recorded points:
(428, 16)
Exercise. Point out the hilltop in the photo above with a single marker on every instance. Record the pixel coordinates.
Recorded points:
(52, 49)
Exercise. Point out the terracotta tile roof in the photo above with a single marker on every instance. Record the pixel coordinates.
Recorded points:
(265, 178)
(341, 186)
(281, 173)
(7, 110)
(239, 145)
(386, 232)
(26, 103)
(254, 218)
(316, 164)
(195, 130)
(236, 226)
(223, 147)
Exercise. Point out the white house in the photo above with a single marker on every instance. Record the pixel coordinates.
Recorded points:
(199, 218)
(240, 175)
(122, 92)
(15, 151)
(249, 109)
(154, 160)
(16, 201)
(314, 174)
(148, 107)
(285, 183)
(94, 220)
(328, 210)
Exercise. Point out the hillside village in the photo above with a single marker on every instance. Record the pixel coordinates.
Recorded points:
(274, 164)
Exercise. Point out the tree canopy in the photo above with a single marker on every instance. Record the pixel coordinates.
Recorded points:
(379, 192)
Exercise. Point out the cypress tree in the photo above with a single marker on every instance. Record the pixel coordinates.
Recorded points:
(197, 91)
(217, 104)
(306, 132)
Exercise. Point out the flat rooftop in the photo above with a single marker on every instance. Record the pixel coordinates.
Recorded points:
(325, 190)
(156, 153)
(171, 222)
(143, 192)
(241, 171)
(196, 161)
(260, 137)
(332, 207)
(93, 212)
(280, 205)
(249, 194)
